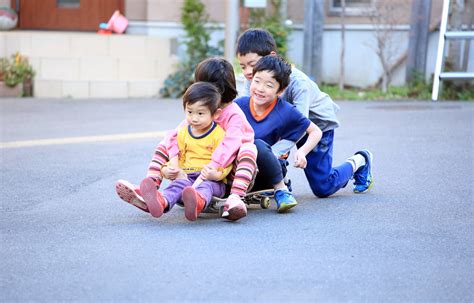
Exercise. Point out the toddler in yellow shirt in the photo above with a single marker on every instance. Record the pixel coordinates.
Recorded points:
(193, 183)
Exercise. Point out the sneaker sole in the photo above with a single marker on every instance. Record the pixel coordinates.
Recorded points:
(148, 190)
(124, 191)
(366, 190)
(287, 207)
(190, 204)
(370, 172)
(236, 213)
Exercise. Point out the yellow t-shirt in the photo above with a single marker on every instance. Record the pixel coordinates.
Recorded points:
(196, 152)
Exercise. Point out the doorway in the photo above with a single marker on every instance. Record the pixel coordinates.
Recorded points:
(80, 15)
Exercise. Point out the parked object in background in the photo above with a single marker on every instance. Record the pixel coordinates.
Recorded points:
(16, 71)
(103, 30)
(117, 23)
(8, 18)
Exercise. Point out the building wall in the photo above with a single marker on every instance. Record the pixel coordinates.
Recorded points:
(363, 69)
(169, 11)
(136, 9)
(5, 3)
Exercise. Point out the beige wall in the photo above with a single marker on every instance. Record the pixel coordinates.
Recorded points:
(5, 3)
(170, 11)
(136, 9)
(164, 10)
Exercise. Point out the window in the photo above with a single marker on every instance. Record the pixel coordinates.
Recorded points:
(353, 7)
(68, 3)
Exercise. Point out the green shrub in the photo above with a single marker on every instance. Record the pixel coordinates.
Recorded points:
(15, 70)
(194, 19)
(418, 88)
(274, 23)
(457, 91)
(414, 91)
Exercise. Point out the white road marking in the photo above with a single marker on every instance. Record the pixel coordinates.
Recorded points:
(87, 139)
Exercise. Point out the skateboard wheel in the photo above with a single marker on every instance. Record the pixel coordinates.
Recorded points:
(265, 202)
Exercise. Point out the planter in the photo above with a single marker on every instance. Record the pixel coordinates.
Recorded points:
(7, 91)
(28, 88)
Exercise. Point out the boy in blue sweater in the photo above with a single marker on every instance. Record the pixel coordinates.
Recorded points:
(273, 120)
(304, 93)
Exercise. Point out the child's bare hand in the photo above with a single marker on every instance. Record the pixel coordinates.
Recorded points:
(300, 159)
(174, 162)
(170, 173)
(197, 182)
(210, 173)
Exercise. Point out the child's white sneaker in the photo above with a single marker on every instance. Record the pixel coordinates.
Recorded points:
(131, 194)
(234, 208)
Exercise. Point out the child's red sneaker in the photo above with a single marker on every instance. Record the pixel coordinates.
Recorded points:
(154, 200)
(193, 203)
(130, 193)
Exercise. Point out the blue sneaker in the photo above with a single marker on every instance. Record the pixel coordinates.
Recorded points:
(363, 180)
(284, 200)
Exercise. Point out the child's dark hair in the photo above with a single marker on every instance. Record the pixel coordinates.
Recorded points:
(204, 92)
(278, 66)
(219, 72)
(256, 40)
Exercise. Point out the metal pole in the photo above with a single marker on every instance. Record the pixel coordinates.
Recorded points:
(440, 55)
(343, 45)
(313, 38)
(418, 42)
(231, 28)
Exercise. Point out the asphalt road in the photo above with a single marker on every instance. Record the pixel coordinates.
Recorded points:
(66, 236)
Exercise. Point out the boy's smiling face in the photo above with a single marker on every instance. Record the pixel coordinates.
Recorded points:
(247, 62)
(264, 88)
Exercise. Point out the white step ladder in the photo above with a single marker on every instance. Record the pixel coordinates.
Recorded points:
(443, 36)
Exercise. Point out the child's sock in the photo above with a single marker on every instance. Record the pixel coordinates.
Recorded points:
(282, 188)
(357, 161)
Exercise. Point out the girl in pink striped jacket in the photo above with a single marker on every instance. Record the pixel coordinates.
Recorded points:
(237, 145)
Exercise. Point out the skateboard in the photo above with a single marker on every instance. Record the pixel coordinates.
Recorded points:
(260, 197)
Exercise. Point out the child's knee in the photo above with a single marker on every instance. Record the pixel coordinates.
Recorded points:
(247, 151)
(321, 190)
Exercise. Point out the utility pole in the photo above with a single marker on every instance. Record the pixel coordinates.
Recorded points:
(418, 41)
(284, 10)
(231, 28)
(343, 44)
(313, 38)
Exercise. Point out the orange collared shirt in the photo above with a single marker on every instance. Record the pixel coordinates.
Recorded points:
(258, 117)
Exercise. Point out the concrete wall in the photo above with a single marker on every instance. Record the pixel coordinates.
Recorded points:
(363, 68)
(362, 64)
(169, 11)
(87, 65)
(5, 3)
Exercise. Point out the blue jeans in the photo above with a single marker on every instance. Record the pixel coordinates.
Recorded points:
(324, 179)
(270, 169)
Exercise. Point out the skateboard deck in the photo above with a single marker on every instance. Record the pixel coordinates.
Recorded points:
(260, 197)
